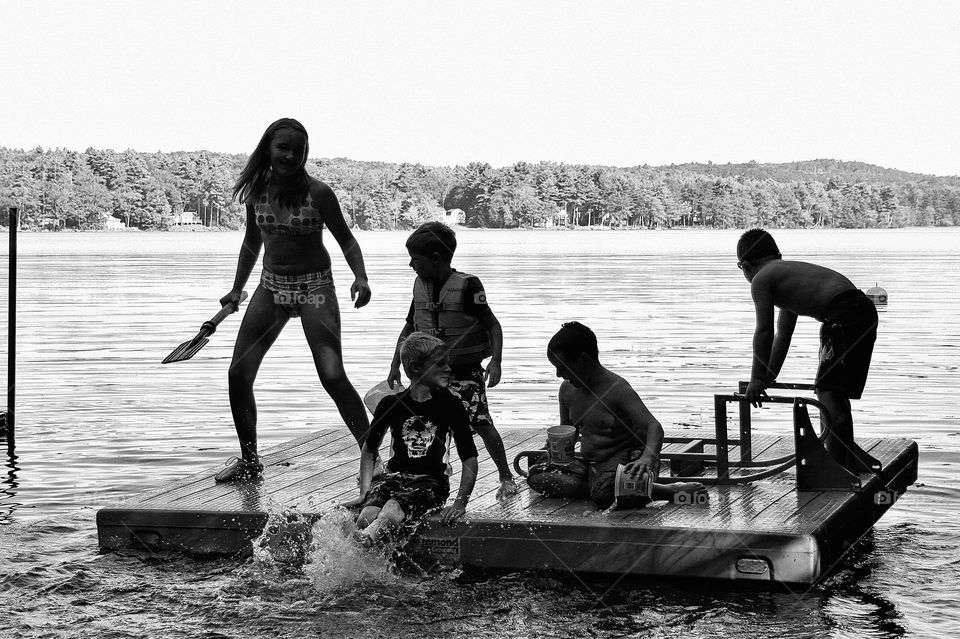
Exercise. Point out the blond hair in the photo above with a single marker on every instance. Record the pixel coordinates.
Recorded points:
(419, 347)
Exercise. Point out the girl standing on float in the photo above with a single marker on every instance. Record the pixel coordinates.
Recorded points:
(286, 212)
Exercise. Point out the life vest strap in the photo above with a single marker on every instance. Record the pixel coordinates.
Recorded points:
(437, 306)
(444, 332)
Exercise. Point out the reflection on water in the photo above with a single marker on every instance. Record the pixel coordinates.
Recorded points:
(100, 419)
(8, 488)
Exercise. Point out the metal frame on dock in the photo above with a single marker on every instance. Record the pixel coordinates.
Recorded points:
(816, 469)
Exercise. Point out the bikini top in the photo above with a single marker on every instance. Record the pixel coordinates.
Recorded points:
(302, 220)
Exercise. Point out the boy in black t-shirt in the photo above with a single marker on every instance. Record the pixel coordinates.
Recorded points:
(420, 420)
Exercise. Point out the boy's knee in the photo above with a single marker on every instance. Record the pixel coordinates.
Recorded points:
(366, 516)
(487, 431)
(393, 511)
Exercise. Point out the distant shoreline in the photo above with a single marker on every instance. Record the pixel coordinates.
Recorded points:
(470, 229)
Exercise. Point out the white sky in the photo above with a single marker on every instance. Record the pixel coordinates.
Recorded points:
(448, 82)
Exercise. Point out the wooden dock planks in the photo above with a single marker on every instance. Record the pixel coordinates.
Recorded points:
(765, 530)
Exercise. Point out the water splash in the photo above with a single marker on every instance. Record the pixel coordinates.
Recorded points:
(321, 549)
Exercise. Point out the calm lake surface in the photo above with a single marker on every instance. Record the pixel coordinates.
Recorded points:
(99, 419)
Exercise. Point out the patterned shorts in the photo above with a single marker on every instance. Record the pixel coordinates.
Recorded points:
(293, 292)
(469, 386)
(416, 494)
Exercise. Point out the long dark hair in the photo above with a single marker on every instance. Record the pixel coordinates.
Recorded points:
(255, 176)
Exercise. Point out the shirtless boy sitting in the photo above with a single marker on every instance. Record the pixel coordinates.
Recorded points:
(614, 424)
(846, 337)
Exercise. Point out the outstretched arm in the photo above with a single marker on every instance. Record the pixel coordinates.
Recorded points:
(644, 426)
(333, 217)
(786, 322)
(762, 341)
(369, 452)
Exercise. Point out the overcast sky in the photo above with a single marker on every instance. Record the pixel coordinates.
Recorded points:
(450, 82)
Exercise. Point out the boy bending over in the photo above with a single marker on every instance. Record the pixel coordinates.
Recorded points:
(614, 424)
(420, 420)
(846, 337)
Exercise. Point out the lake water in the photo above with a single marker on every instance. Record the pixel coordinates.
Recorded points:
(99, 419)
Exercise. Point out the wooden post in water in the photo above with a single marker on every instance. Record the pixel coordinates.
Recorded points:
(14, 221)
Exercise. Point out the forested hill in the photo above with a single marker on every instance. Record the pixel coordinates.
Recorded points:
(822, 170)
(96, 189)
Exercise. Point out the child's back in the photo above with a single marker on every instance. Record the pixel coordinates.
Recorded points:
(800, 287)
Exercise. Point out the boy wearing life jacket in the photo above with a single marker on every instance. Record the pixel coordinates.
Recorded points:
(453, 306)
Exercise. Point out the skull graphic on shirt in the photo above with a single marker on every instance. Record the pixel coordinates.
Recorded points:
(417, 436)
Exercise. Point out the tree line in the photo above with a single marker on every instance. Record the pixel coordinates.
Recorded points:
(66, 189)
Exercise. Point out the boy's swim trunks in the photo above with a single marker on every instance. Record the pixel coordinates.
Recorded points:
(469, 386)
(846, 343)
(416, 494)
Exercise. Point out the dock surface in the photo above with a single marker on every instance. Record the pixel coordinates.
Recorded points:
(765, 530)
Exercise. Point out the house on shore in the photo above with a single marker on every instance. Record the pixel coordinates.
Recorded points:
(183, 221)
(111, 223)
(452, 217)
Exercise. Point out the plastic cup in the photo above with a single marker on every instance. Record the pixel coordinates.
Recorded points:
(627, 486)
(560, 444)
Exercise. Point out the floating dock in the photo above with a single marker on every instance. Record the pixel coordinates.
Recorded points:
(762, 529)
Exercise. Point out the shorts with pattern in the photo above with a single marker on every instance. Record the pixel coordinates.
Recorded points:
(469, 386)
(293, 292)
(416, 494)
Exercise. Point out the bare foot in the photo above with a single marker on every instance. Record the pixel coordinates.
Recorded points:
(508, 488)
(362, 538)
(683, 492)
